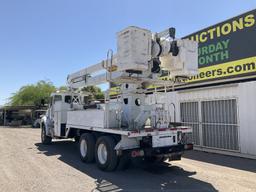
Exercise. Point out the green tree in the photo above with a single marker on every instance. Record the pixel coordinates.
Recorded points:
(33, 94)
(63, 88)
(95, 91)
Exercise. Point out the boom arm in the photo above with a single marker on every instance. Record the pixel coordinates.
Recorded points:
(93, 75)
(141, 56)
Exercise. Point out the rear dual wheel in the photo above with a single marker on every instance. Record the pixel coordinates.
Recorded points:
(103, 151)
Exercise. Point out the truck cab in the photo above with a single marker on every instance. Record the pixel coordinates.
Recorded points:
(56, 116)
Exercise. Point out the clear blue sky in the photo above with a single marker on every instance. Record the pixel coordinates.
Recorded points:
(48, 39)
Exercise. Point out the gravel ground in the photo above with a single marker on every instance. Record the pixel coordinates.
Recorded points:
(27, 165)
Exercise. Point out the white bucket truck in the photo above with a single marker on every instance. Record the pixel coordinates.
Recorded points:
(125, 127)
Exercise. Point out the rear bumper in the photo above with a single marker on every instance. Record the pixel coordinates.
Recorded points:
(161, 151)
(171, 149)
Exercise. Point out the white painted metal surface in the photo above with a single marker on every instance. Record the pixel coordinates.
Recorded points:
(164, 140)
(133, 49)
(247, 117)
(86, 118)
(243, 93)
(184, 64)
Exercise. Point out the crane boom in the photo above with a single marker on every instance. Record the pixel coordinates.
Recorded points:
(142, 56)
(93, 75)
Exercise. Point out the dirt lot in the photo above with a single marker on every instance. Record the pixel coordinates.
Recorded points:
(27, 165)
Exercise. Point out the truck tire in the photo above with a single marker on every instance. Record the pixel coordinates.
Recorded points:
(45, 139)
(105, 153)
(87, 147)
